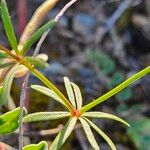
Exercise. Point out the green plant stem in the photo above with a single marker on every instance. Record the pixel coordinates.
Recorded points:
(51, 86)
(39, 75)
(115, 90)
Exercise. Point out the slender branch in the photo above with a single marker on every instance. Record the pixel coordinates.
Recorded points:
(56, 19)
(48, 132)
(22, 100)
(68, 5)
(39, 75)
(116, 90)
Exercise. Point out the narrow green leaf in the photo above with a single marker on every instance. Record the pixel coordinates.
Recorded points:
(44, 116)
(105, 115)
(35, 37)
(37, 62)
(69, 91)
(64, 134)
(107, 139)
(40, 146)
(9, 121)
(78, 95)
(89, 134)
(7, 85)
(3, 55)
(1, 90)
(4, 65)
(47, 92)
(8, 26)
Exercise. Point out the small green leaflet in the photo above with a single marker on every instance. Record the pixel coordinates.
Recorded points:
(8, 26)
(69, 90)
(1, 90)
(89, 134)
(37, 62)
(107, 139)
(4, 65)
(64, 134)
(3, 55)
(36, 36)
(105, 115)
(7, 85)
(47, 92)
(78, 95)
(44, 116)
(9, 121)
(41, 146)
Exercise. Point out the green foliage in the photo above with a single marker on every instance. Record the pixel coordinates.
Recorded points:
(4, 65)
(103, 61)
(140, 133)
(7, 85)
(78, 96)
(41, 146)
(36, 36)
(125, 94)
(105, 115)
(9, 121)
(37, 62)
(1, 90)
(64, 134)
(107, 66)
(102, 134)
(44, 116)
(89, 134)
(8, 26)
(3, 55)
(69, 90)
(116, 79)
(47, 92)
(74, 94)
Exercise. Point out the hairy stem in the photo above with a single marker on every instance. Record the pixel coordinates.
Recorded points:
(116, 90)
(22, 100)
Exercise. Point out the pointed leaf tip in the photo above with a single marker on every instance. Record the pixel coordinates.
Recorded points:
(8, 26)
(106, 138)
(9, 121)
(70, 92)
(105, 116)
(89, 134)
(40, 146)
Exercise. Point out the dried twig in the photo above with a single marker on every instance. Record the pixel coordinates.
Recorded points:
(48, 132)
